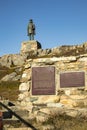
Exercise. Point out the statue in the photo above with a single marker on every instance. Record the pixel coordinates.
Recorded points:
(31, 30)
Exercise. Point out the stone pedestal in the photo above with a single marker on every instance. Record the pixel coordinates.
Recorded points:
(28, 46)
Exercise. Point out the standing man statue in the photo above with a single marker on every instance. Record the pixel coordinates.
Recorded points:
(31, 30)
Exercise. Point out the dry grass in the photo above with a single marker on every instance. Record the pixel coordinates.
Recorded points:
(64, 122)
(9, 90)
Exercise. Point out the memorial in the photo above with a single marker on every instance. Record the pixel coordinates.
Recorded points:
(72, 79)
(43, 80)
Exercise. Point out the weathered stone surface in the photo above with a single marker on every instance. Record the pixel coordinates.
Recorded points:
(27, 66)
(23, 96)
(11, 77)
(55, 105)
(68, 102)
(73, 92)
(18, 60)
(24, 87)
(79, 96)
(28, 46)
(55, 59)
(6, 60)
(74, 100)
(26, 76)
(48, 127)
(48, 99)
(18, 77)
(72, 113)
(41, 118)
(46, 110)
(83, 59)
(19, 129)
(12, 60)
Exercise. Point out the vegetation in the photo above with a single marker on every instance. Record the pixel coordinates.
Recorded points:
(67, 123)
(63, 122)
(9, 90)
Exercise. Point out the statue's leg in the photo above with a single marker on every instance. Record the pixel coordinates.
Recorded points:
(32, 36)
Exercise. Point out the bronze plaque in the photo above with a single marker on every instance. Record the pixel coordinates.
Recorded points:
(43, 80)
(72, 79)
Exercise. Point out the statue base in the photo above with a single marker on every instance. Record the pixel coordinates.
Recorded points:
(28, 46)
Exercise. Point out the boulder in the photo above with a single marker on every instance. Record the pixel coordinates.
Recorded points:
(72, 113)
(26, 76)
(47, 99)
(11, 77)
(24, 95)
(48, 127)
(24, 87)
(18, 60)
(6, 60)
(11, 60)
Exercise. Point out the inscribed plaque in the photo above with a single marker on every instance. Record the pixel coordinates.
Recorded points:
(72, 79)
(43, 80)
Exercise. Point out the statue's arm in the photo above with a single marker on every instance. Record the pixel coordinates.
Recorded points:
(34, 29)
(33, 26)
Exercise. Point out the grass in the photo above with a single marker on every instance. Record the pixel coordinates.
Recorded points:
(63, 122)
(9, 90)
(67, 123)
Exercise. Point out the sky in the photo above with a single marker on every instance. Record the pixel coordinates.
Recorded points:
(58, 22)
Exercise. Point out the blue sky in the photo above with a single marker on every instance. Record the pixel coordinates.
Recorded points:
(58, 22)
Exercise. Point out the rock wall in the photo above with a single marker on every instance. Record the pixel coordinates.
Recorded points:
(64, 59)
(68, 104)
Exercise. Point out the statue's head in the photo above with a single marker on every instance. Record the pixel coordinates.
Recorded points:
(31, 21)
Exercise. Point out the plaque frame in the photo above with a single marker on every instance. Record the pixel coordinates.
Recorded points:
(52, 89)
(67, 87)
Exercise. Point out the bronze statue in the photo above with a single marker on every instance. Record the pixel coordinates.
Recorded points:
(31, 30)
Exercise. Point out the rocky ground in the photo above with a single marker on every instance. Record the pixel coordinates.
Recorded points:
(51, 118)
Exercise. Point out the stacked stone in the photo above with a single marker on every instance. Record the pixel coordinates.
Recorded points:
(25, 86)
(61, 64)
(68, 101)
